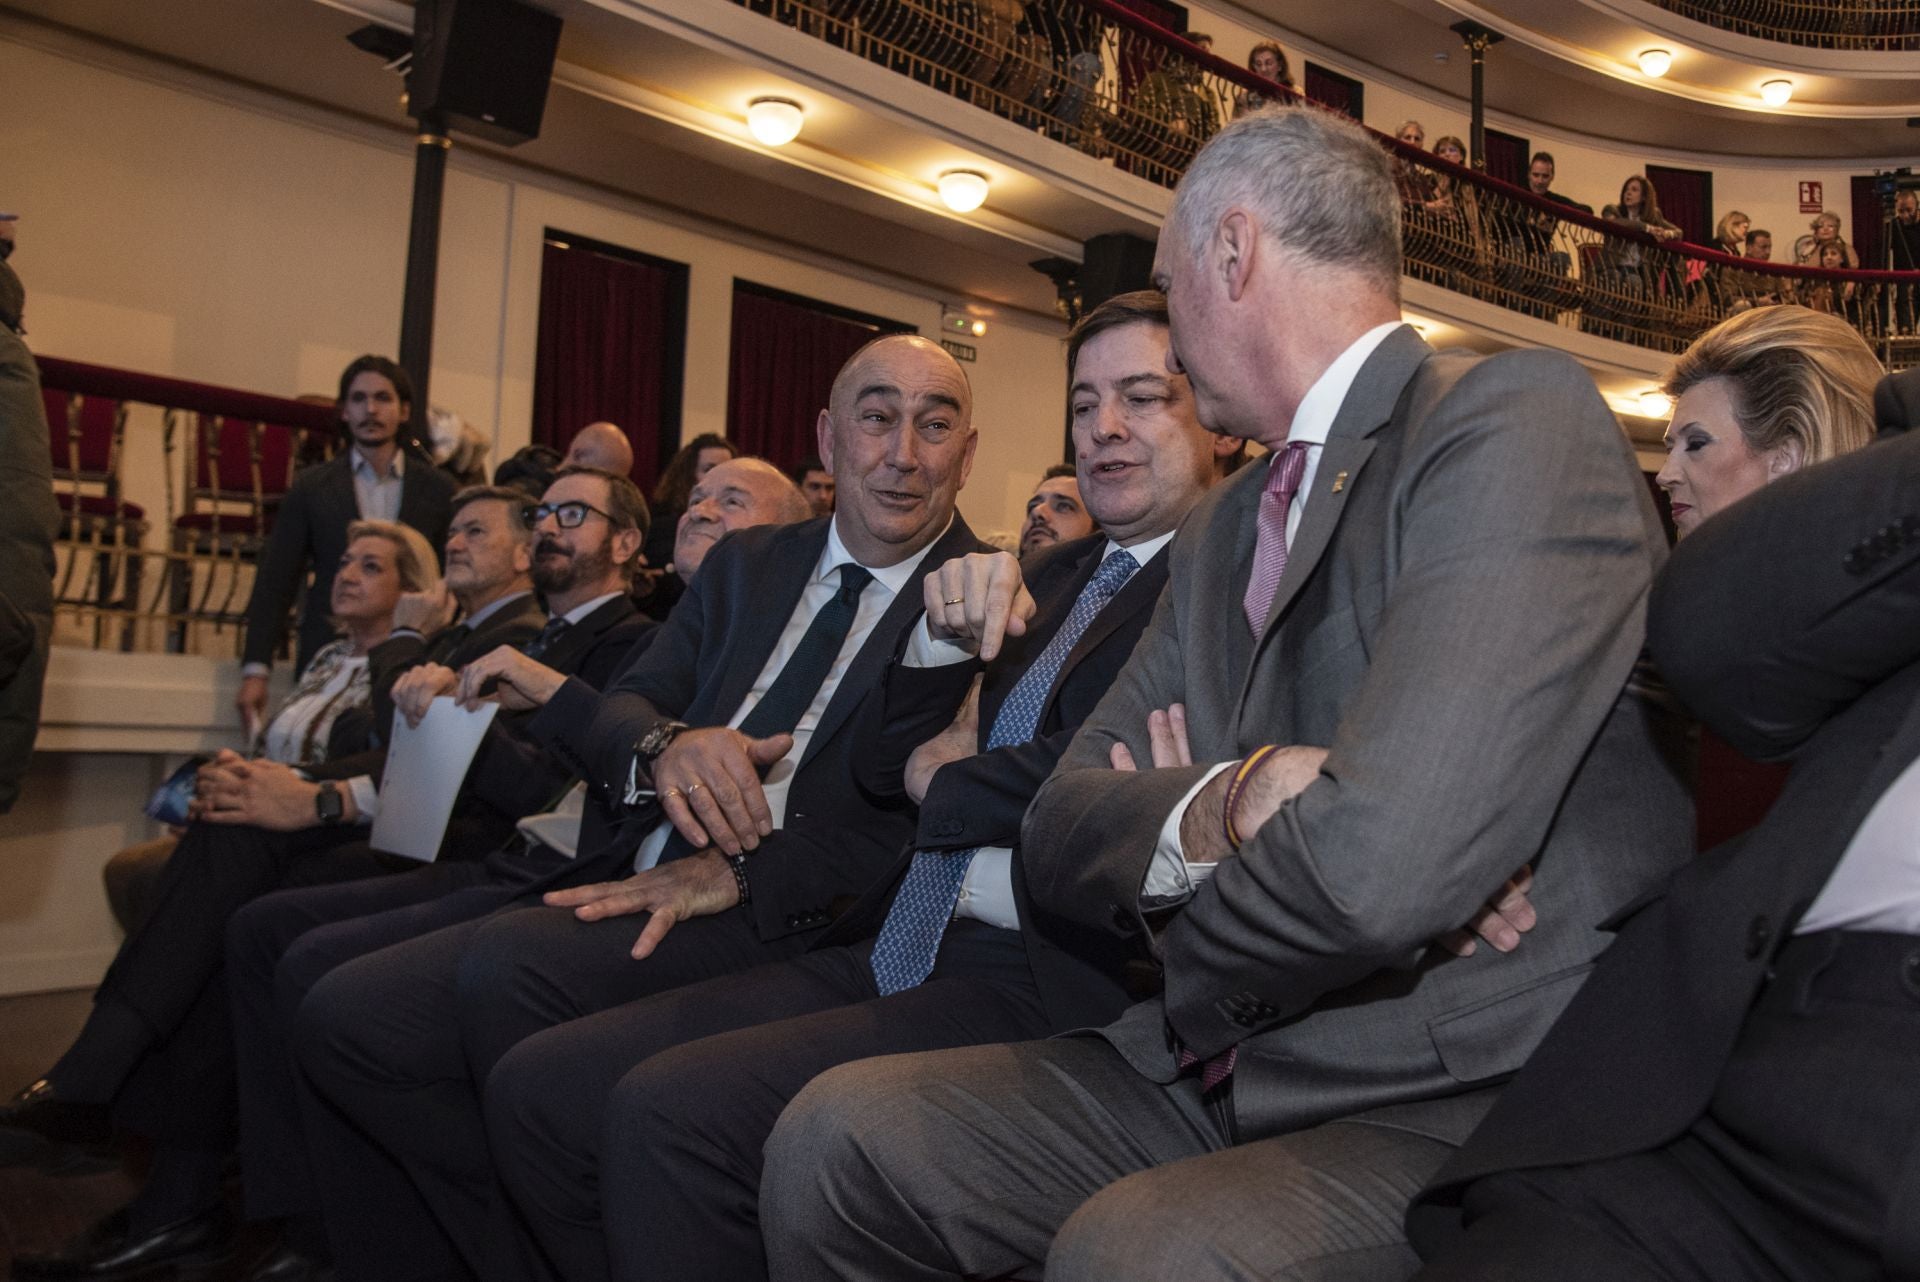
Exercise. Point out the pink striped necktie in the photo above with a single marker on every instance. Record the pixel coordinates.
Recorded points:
(1270, 552)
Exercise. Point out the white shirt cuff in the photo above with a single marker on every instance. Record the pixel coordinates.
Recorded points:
(925, 652)
(255, 669)
(366, 798)
(1170, 878)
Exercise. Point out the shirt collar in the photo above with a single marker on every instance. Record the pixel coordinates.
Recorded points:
(360, 465)
(492, 608)
(1321, 405)
(580, 612)
(892, 577)
(1143, 551)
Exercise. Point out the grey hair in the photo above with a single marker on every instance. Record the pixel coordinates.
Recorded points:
(1320, 185)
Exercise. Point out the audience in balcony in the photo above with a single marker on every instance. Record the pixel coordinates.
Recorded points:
(1826, 231)
(383, 560)
(1832, 296)
(1269, 62)
(1903, 255)
(373, 478)
(1757, 289)
(28, 522)
(1415, 184)
(1056, 513)
(1176, 95)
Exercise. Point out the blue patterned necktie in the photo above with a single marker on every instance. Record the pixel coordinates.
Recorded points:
(910, 938)
(537, 648)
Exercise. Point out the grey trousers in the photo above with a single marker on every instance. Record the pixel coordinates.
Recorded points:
(1003, 1160)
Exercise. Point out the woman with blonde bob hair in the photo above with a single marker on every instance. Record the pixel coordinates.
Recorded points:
(1758, 396)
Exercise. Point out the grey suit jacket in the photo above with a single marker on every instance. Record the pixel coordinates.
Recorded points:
(1458, 623)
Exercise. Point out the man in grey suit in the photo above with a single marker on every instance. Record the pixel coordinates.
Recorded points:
(1390, 668)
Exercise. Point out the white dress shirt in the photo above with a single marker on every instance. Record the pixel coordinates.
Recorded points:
(1170, 878)
(1876, 884)
(821, 588)
(377, 494)
(986, 893)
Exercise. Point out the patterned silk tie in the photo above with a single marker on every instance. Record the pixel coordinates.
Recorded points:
(1270, 552)
(910, 938)
(538, 647)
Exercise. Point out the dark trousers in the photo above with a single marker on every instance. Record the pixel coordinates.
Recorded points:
(658, 1110)
(396, 1044)
(1805, 1166)
(180, 1092)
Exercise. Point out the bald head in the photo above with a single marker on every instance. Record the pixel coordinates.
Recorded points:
(602, 445)
(898, 436)
(734, 495)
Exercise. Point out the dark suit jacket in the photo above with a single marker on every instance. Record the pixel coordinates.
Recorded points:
(981, 800)
(310, 531)
(1458, 625)
(836, 839)
(1791, 624)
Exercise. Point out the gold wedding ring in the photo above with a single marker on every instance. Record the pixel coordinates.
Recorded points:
(671, 792)
(693, 788)
(954, 600)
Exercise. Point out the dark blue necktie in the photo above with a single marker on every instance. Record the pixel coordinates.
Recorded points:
(800, 679)
(538, 647)
(910, 937)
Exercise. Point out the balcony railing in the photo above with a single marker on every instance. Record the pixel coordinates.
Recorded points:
(167, 491)
(1881, 26)
(1095, 76)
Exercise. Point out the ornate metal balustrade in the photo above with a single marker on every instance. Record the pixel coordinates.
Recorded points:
(1095, 76)
(1866, 25)
(167, 490)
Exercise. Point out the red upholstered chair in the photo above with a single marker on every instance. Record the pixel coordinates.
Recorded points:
(237, 472)
(99, 529)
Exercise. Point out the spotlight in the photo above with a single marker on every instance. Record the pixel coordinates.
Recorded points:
(964, 190)
(958, 322)
(775, 121)
(1776, 93)
(1654, 62)
(1654, 404)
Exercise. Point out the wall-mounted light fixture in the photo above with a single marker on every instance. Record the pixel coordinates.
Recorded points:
(1654, 404)
(963, 190)
(775, 121)
(1777, 93)
(1655, 62)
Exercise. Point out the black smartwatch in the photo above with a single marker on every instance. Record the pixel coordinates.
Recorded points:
(654, 742)
(328, 805)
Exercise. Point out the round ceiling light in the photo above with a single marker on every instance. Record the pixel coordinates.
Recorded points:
(775, 121)
(964, 190)
(1654, 62)
(1777, 93)
(1655, 404)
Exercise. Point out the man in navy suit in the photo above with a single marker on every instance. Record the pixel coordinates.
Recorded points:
(374, 478)
(746, 1043)
(731, 745)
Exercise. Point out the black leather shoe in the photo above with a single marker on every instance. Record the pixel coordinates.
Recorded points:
(108, 1253)
(37, 1119)
(284, 1264)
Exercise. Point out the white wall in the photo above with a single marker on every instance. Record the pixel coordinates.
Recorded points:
(174, 232)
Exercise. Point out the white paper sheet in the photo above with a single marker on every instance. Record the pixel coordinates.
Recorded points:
(425, 765)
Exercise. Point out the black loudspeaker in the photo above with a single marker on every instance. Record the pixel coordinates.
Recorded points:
(1115, 263)
(482, 66)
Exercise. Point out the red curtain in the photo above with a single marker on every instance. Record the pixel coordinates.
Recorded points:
(1869, 223)
(612, 335)
(1686, 200)
(785, 354)
(1507, 157)
(1331, 89)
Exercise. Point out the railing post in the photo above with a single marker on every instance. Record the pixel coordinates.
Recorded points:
(1478, 40)
(423, 263)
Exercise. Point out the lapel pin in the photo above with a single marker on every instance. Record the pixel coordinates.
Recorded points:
(1339, 482)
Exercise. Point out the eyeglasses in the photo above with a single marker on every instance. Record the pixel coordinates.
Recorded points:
(569, 516)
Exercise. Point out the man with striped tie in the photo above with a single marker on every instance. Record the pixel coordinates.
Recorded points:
(946, 949)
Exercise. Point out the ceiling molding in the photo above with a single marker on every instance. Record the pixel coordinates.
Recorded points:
(1855, 64)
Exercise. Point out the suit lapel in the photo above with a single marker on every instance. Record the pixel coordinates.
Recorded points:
(1140, 593)
(1368, 407)
(412, 491)
(863, 674)
(577, 641)
(339, 489)
(758, 618)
